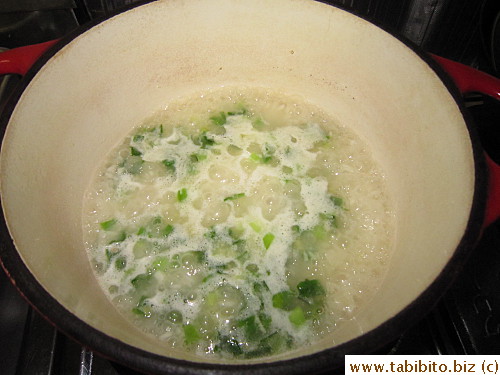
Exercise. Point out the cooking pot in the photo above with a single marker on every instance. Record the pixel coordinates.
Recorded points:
(85, 93)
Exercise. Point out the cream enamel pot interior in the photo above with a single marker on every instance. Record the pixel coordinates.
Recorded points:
(88, 91)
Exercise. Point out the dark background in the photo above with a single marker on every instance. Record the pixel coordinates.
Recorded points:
(465, 321)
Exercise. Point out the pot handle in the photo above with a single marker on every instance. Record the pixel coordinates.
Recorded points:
(19, 60)
(470, 80)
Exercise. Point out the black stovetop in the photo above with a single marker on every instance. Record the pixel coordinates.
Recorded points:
(465, 321)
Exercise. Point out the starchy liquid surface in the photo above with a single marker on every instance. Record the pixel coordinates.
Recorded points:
(239, 224)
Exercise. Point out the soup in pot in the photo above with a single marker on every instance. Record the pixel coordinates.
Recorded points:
(239, 223)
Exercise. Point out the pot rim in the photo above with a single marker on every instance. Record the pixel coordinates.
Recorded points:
(125, 354)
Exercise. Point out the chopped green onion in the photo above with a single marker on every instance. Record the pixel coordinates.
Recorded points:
(197, 157)
(110, 254)
(212, 234)
(230, 345)
(170, 164)
(252, 268)
(141, 280)
(191, 334)
(165, 232)
(258, 124)
(205, 141)
(319, 232)
(135, 152)
(337, 201)
(160, 263)
(121, 237)
(140, 312)
(255, 226)
(234, 196)
(132, 164)
(208, 277)
(260, 287)
(297, 316)
(120, 263)
(138, 138)
(219, 119)
(268, 240)
(255, 157)
(264, 158)
(106, 225)
(265, 320)
(251, 328)
(142, 248)
(285, 300)
(241, 111)
(310, 288)
(182, 194)
(142, 301)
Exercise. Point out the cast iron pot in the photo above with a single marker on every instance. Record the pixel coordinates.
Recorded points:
(89, 89)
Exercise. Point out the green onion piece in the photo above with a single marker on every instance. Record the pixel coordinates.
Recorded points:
(241, 111)
(234, 196)
(230, 345)
(285, 300)
(110, 254)
(268, 240)
(142, 301)
(251, 328)
(310, 288)
(197, 157)
(252, 268)
(265, 320)
(260, 287)
(243, 257)
(106, 225)
(205, 141)
(255, 226)
(276, 342)
(142, 248)
(319, 232)
(297, 316)
(255, 157)
(208, 277)
(132, 164)
(138, 138)
(138, 311)
(135, 152)
(165, 232)
(182, 194)
(258, 124)
(191, 334)
(337, 201)
(120, 263)
(121, 237)
(266, 159)
(170, 164)
(219, 119)
(142, 280)
(212, 234)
